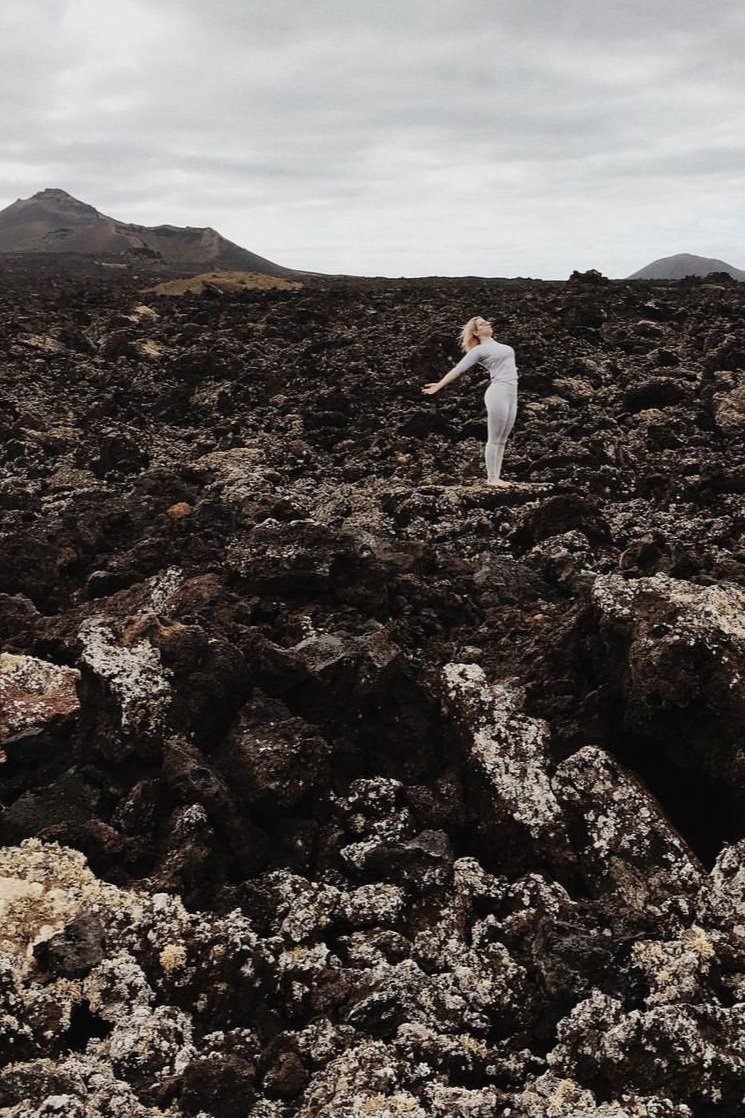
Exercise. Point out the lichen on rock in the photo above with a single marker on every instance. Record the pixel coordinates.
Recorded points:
(356, 786)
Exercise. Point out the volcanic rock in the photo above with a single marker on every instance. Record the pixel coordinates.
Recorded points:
(641, 875)
(729, 409)
(132, 688)
(507, 755)
(676, 651)
(34, 696)
(348, 783)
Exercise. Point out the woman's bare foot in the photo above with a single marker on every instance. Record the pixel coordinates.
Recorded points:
(500, 483)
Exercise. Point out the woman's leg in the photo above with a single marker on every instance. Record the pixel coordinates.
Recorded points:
(501, 409)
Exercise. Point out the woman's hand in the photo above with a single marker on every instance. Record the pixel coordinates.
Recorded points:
(430, 389)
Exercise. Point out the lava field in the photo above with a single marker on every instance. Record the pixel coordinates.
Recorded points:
(335, 783)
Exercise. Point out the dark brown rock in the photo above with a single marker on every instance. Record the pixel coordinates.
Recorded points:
(330, 879)
(75, 951)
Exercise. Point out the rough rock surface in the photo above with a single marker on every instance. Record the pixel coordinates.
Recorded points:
(34, 695)
(333, 781)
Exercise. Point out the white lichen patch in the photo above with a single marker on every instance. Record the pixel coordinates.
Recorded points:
(372, 904)
(142, 311)
(683, 1046)
(551, 1096)
(674, 969)
(43, 342)
(149, 347)
(505, 747)
(630, 846)
(156, 953)
(93, 1092)
(360, 1083)
(232, 463)
(310, 912)
(729, 410)
(135, 675)
(29, 914)
(163, 585)
(401, 1103)
(145, 1040)
(117, 985)
(721, 902)
(702, 613)
(476, 983)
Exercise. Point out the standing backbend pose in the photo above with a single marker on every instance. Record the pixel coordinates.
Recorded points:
(501, 395)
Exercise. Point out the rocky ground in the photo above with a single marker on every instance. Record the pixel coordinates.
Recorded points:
(335, 783)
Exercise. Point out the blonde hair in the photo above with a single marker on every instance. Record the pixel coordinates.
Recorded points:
(468, 336)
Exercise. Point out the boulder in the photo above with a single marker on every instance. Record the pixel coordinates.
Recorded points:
(626, 848)
(35, 696)
(675, 653)
(507, 763)
(125, 689)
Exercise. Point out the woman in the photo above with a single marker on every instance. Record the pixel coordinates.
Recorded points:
(501, 395)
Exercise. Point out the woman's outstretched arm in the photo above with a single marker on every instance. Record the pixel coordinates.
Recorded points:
(471, 358)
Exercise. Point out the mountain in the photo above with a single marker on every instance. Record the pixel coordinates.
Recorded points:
(54, 221)
(685, 264)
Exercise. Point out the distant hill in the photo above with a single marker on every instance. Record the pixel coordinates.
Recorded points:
(54, 221)
(685, 264)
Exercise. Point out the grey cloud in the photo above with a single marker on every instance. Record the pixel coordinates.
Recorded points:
(355, 134)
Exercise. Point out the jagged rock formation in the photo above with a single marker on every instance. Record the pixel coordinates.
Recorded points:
(53, 221)
(686, 264)
(336, 783)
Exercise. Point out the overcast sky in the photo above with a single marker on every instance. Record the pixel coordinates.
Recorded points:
(391, 137)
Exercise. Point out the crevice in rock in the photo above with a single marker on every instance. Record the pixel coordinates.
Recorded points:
(698, 802)
(84, 1026)
(699, 806)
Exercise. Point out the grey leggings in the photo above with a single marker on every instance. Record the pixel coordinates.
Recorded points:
(501, 408)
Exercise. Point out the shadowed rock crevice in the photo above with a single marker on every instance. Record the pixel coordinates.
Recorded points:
(84, 1027)
(701, 806)
(651, 670)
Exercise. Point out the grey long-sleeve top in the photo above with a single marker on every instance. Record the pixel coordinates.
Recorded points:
(498, 359)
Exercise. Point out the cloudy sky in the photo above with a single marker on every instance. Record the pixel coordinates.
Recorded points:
(391, 137)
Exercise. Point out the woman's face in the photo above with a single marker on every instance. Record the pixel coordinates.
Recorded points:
(482, 328)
